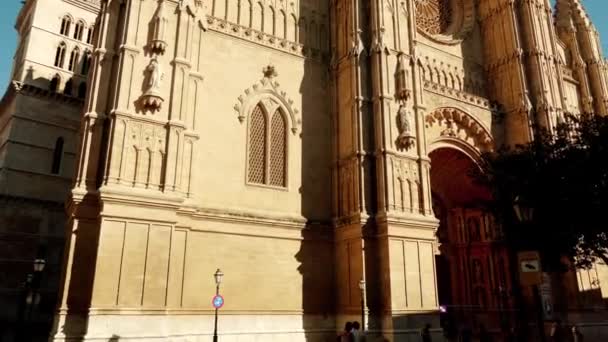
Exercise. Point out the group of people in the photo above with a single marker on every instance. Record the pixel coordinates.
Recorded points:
(352, 333)
(559, 334)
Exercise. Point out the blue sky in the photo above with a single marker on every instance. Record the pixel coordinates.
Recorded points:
(597, 9)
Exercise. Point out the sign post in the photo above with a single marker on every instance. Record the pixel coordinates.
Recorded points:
(218, 300)
(530, 274)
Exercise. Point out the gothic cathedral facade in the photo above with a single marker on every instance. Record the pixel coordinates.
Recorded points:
(317, 152)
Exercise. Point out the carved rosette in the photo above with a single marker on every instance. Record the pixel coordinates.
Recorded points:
(445, 21)
(434, 16)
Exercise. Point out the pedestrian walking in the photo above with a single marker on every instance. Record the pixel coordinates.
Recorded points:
(577, 336)
(426, 333)
(512, 335)
(345, 335)
(356, 334)
(466, 335)
(556, 334)
(484, 335)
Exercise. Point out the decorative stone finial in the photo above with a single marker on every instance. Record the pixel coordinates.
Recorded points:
(402, 84)
(270, 71)
(158, 43)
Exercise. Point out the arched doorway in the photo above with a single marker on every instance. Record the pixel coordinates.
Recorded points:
(473, 277)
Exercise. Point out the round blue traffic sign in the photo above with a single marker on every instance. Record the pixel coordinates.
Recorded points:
(218, 301)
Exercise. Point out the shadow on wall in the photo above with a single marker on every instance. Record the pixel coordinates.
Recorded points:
(114, 338)
(68, 87)
(316, 254)
(408, 327)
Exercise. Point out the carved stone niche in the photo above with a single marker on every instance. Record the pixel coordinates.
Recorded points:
(158, 28)
(407, 137)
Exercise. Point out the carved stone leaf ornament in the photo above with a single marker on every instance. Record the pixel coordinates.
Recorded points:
(267, 91)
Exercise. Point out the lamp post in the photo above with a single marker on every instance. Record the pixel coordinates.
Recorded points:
(525, 214)
(502, 299)
(362, 288)
(32, 297)
(218, 280)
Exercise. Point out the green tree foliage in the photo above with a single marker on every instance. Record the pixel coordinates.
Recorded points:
(564, 177)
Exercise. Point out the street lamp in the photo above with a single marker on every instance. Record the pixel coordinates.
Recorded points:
(525, 214)
(32, 297)
(218, 280)
(523, 210)
(502, 300)
(39, 265)
(362, 288)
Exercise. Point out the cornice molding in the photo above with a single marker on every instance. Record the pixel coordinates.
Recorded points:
(254, 36)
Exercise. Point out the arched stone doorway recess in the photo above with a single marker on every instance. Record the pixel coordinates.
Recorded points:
(473, 265)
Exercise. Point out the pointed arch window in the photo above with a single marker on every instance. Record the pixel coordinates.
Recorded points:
(60, 55)
(54, 84)
(86, 62)
(278, 139)
(57, 156)
(79, 30)
(267, 148)
(74, 58)
(66, 22)
(257, 147)
(90, 34)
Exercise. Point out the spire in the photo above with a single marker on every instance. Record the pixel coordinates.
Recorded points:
(568, 12)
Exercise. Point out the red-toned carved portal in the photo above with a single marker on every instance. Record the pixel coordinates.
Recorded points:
(473, 267)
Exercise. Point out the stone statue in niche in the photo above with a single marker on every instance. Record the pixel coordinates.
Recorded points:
(152, 99)
(154, 79)
(406, 137)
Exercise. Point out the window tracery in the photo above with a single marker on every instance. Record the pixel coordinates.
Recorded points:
(267, 147)
(79, 30)
(434, 16)
(257, 147)
(278, 137)
(66, 22)
(60, 55)
(74, 58)
(90, 34)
